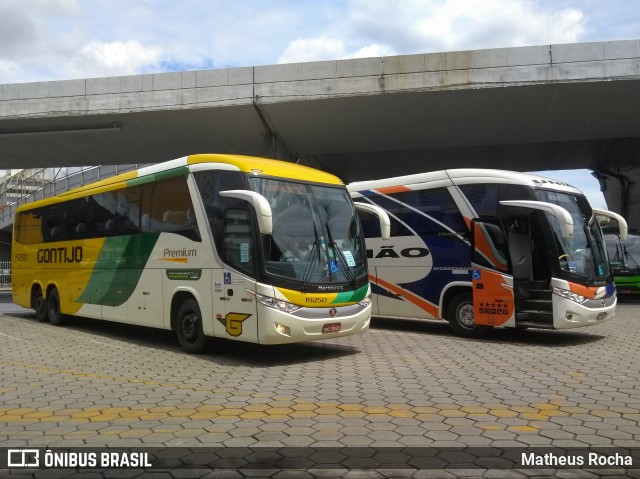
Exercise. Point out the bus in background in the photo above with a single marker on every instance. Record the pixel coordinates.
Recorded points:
(487, 248)
(624, 257)
(236, 247)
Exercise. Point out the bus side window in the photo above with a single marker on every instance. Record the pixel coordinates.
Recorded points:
(28, 227)
(490, 242)
(237, 244)
(167, 208)
(485, 198)
(116, 212)
(370, 224)
(128, 210)
(63, 222)
(427, 210)
(210, 183)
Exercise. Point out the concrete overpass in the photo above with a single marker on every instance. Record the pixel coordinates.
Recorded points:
(541, 107)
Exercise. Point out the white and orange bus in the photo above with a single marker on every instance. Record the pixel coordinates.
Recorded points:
(486, 248)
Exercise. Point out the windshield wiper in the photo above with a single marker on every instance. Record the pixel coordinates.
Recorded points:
(339, 254)
(629, 256)
(306, 277)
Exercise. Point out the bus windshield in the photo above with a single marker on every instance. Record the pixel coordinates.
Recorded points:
(585, 254)
(316, 234)
(624, 254)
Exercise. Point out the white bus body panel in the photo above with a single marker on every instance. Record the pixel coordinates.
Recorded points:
(307, 324)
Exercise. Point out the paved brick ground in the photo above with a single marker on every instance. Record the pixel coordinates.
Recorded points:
(404, 383)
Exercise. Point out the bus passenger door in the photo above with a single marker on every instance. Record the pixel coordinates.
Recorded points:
(493, 299)
(240, 320)
(238, 248)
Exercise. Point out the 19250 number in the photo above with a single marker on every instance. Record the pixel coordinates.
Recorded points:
(315, 300)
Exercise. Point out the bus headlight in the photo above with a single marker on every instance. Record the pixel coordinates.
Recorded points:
(282, 329)
(366, 301)
(575, 297)
(275, 303)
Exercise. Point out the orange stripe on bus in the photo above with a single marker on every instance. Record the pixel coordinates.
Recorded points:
(482, 245)
(408, 295)
(589, 292)
(392, 189)
(175, 260)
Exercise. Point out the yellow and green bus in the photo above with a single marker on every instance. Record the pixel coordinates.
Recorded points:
(237, 247)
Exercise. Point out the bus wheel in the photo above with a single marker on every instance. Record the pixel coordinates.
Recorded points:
(460, 316)
(189, 327)
(53, 308)
(40, 306)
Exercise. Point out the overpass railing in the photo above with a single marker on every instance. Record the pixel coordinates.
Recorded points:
(59, 181)
(5, 273)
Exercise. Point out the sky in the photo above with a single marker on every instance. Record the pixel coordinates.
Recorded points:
(42, 40)
(581, 179)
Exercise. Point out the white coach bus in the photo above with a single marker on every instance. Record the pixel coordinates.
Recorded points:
(243, 248)
(487, 248)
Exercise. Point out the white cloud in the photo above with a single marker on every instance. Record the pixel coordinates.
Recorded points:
(32, 37)
(323, 48)
(10, 69)
(424, 26)
(113, 59)
(313, 49)
(380, 28)
(373, 50)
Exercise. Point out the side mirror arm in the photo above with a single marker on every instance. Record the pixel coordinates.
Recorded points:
(260, 205)
(561, 214)
(622, 223)
(385, 222)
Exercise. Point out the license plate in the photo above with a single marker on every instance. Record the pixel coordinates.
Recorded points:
(331, 327)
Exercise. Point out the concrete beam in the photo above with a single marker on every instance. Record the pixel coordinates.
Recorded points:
(329, 79)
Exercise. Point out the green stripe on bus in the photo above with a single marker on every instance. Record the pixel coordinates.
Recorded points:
(161, 175)
(352, 296)
(118, 269)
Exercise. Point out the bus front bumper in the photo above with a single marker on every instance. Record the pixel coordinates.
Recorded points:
(310, 324)
(573, 315)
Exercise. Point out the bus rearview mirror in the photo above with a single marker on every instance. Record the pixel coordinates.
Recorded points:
(260, 205)
(385, 222)
(622, 223)
(563, 216)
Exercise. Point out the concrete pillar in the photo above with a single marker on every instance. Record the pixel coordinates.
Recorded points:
(621, 190)
(275, 145)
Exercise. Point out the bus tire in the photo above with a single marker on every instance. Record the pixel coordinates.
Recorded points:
(189, 327)
(460, 316)
(53, 308)
(40, 306)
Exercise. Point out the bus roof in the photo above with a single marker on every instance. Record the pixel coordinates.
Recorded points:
(461, 176)
(247, 164)
(268, 167)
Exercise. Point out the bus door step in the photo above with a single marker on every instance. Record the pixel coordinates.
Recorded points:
(534, 318)
(542, 305)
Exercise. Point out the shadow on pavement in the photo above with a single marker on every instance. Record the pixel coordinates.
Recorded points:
(219, 351)
(505, 335)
